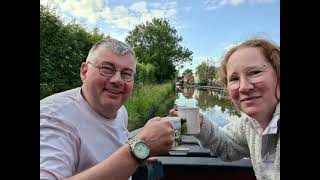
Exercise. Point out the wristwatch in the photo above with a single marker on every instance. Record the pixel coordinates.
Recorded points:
(139, 149)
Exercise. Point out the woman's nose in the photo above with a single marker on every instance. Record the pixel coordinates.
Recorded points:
(245, 85)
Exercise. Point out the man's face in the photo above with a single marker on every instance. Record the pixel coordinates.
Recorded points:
(107, 94)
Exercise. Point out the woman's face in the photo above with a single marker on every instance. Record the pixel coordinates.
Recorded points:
(252, 83)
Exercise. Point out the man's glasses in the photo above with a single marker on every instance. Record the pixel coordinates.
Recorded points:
(253, 76)
(109, 71)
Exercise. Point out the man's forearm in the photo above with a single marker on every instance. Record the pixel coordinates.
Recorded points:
(120, 165)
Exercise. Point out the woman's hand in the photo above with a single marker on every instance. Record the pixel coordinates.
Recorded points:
(201, 119)
(174, 112)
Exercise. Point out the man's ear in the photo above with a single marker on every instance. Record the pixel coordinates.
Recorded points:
(83, 71)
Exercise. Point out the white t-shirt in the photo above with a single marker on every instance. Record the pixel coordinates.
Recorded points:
(73, 137)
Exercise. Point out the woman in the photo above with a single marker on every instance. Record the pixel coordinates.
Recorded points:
(251, 75)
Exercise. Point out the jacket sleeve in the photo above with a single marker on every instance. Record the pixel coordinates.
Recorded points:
(229, 143)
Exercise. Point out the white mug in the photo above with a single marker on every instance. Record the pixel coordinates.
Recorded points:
(191, 115)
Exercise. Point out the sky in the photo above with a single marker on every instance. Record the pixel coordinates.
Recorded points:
(208, 27)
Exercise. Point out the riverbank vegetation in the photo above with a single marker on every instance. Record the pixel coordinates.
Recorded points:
(149, 101)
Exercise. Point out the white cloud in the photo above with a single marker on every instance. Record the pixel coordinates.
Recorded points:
(50, 2)
(119, 35)
(119, 17)
(157, 13)
(171, 4)
(211, 4)
(155, 5)
(139, 7)
(83, 8)
(214, 4)
(171, 12)
(232, 2)
(148, 17)
(106, 14)
(184, 26)
(125, 22)
(120, 12)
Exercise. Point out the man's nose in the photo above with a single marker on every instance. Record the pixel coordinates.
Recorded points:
(116, 78)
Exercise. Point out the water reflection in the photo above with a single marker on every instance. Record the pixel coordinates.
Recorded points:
(214, 104)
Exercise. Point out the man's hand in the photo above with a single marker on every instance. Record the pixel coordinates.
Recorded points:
(158, 134)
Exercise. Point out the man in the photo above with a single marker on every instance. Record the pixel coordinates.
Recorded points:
(83, 131)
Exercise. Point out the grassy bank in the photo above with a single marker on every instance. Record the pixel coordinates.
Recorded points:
(149, 101)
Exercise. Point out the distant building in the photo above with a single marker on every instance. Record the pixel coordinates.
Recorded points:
(179, 80)
(188, 78)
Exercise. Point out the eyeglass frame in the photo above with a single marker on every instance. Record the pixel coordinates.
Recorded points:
(114, 72)
(248, 79)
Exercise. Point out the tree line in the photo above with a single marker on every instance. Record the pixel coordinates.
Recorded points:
(63, 47)
(206, 73)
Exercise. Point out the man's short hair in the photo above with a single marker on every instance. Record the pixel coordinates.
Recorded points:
(115, 45)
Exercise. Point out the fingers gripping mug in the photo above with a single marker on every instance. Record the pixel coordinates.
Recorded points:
(176, 124)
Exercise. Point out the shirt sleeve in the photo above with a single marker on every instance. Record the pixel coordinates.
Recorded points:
(58, 149)
(229, 143)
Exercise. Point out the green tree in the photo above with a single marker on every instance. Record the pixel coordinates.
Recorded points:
(205, 73)
(157, 43)
(187, 71)
(145, 74)
(63, 47)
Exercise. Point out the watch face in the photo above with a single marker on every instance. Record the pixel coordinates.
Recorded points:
(141, 150)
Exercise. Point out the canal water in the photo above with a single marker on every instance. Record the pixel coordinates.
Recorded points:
(212, 103)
